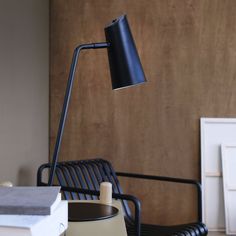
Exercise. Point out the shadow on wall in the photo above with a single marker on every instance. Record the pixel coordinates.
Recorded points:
(24, 177)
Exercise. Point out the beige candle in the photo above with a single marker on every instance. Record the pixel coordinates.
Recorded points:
(106, 193)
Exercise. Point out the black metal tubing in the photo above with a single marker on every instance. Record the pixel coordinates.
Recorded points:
(170, 179)
(134, 200)
(66, 102)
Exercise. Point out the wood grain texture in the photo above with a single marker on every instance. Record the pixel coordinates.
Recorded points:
(188, 51)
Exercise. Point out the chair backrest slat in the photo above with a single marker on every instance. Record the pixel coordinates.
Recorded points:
(86, 174)
(83, 182)
(62, 182)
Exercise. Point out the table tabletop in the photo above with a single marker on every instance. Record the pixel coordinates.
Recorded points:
(114, 226)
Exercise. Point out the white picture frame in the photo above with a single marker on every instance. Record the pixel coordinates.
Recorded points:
(229, 184)
(214, 132)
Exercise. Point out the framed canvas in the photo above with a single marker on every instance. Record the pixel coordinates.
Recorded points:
(214, 132)
(229, 185)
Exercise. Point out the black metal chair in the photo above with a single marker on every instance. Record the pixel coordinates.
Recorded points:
(81, 180)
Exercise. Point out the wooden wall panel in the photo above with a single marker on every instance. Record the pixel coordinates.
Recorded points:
(188, 51)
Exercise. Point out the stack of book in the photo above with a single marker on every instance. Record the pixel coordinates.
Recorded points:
(32, 211)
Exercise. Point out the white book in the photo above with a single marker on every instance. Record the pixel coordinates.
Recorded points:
(33, 225)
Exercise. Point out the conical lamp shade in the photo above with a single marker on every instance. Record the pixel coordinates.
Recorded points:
(125, 66)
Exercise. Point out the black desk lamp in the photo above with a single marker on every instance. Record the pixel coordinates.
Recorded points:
(125, 67)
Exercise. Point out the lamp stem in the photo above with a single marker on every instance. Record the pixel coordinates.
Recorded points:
(66, 103)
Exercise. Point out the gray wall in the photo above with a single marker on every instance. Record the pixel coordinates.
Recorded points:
(24, 86)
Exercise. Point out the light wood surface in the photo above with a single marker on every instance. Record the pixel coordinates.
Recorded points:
(229, 177)
(188, 51)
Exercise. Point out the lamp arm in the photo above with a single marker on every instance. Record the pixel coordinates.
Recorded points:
(66, 102)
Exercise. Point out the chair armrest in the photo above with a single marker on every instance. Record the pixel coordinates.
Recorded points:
(173, 180)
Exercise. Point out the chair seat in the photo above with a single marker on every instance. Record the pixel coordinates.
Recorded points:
(191, 229)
